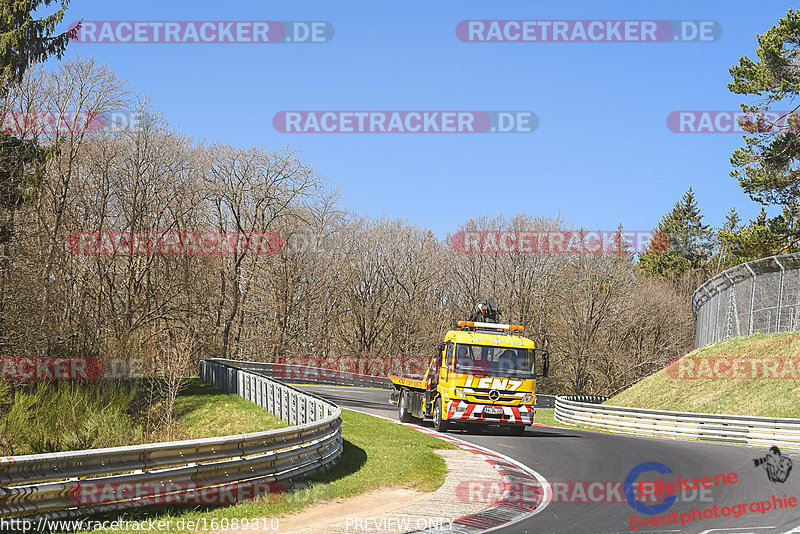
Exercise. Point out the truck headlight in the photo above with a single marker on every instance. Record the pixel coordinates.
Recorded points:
(527, 398)
(459, 393)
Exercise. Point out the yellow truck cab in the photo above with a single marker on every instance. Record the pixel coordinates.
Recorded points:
(482, 374)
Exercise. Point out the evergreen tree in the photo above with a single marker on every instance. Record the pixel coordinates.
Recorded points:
(768, 166)
(732, 221)
(764, 236)
(689, 242)
(724, 257)
(25, 40)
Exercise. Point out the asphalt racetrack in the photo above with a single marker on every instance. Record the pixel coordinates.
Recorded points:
(580, 458)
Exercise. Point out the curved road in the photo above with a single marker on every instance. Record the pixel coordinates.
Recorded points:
(572, 455)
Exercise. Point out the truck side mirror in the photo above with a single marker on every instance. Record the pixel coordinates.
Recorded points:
(545, 364)
(448, 356)
(440, 347)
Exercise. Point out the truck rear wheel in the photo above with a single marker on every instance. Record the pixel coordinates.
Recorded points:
(402, 413)
(439, 424)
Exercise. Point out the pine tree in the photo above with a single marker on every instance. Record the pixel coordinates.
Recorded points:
(768, 166)
(724, 257)
(732, 221)
(689, 241)
(620, 244)
(763, 236)
(25, 40)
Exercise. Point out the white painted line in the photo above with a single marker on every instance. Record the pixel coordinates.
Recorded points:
(747, 530)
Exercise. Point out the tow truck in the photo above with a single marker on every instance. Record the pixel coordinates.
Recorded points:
(484, 373)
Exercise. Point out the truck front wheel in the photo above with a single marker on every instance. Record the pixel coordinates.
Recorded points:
(439, 424)
(403, 414)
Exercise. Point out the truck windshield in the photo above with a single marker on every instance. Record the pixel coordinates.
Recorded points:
(495, 361)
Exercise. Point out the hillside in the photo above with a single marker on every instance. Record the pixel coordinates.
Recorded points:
(756, 375)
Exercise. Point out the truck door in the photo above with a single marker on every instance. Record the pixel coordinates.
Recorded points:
(433, 375)
(448, 362)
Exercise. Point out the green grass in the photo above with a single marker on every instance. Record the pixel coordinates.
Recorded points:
(544, 416)
(756, 397)
(377, 454)
(202, 411)
(63, 415)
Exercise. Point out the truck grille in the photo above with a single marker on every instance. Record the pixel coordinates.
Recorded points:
(485, 398)
(482, 395)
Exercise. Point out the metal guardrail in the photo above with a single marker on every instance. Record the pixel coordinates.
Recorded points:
(741, 429)
(591, 399)
(321, 375)
(549, 401)
(47, 485)
(545, 401)
(313, 375)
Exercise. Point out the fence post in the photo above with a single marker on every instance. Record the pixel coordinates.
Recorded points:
(780, 295)
(717, 334)
(752, 297)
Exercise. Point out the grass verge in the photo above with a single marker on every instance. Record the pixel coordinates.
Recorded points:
(203, 411)
(770, 397)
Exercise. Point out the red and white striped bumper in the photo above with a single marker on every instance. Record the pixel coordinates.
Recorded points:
(459, 410)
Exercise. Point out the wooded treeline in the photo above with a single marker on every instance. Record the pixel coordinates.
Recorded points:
(343, 286)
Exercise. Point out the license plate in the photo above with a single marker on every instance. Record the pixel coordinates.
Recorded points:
(493, 411)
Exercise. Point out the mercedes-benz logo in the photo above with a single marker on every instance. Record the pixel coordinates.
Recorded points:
(494, 394)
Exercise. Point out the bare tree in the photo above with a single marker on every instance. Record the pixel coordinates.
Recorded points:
(343, 286)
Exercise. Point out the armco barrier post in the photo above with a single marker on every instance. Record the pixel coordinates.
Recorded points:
(271, 398)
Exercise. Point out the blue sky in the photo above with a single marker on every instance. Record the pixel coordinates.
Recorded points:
(602, 153)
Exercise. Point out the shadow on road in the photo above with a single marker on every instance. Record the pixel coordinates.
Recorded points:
(477, 430)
